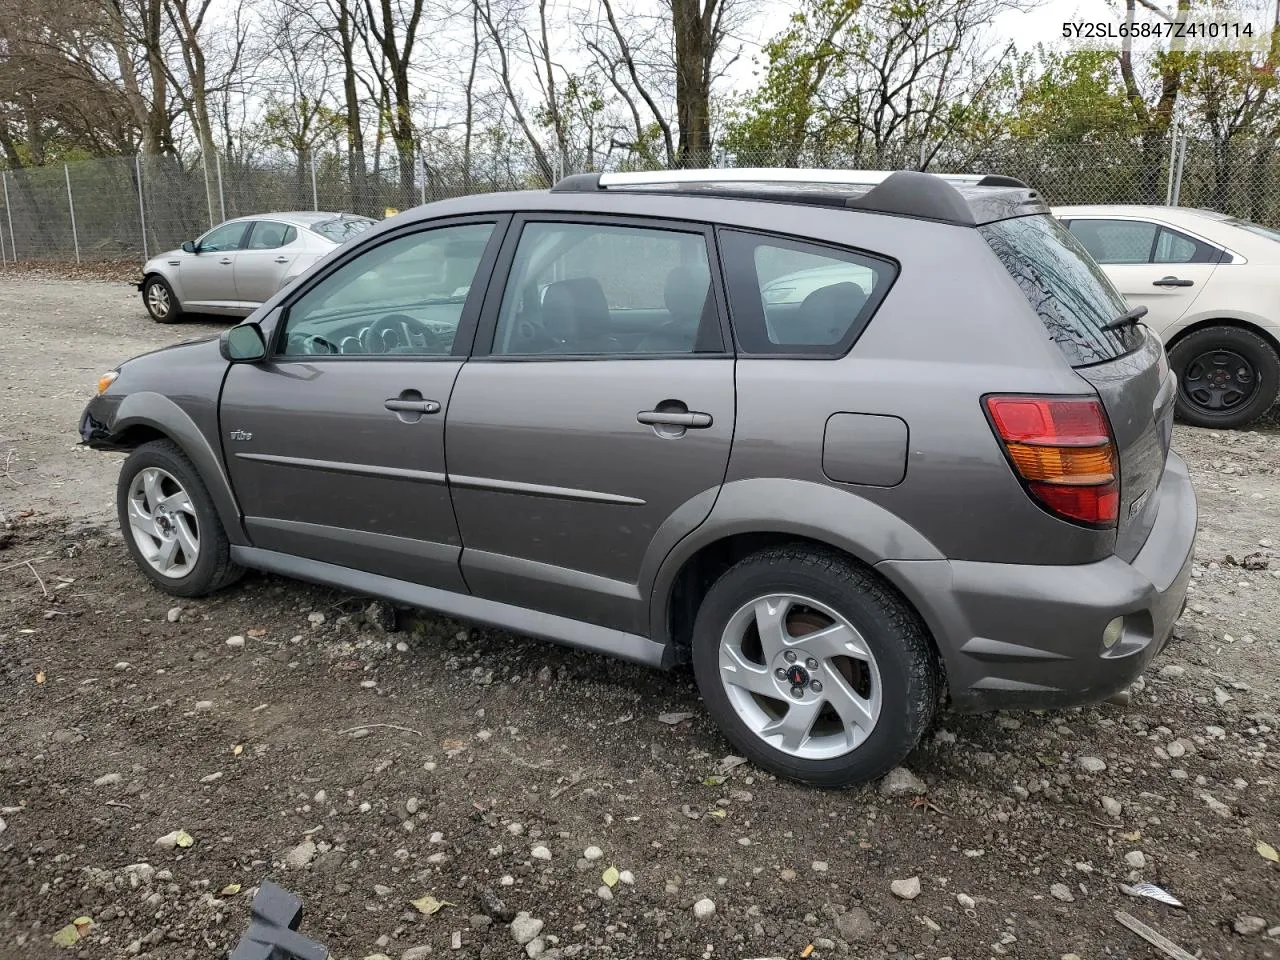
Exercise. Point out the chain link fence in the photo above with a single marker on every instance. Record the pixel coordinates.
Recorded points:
(129, 208)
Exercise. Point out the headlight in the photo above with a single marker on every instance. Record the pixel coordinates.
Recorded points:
(106, 380)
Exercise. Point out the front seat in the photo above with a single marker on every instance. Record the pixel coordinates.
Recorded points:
(576, 314)
(826, 315)
(686, 295)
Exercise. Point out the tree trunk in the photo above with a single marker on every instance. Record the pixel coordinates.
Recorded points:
(693, 53)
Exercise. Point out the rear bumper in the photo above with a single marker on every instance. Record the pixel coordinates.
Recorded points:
(1015, 635)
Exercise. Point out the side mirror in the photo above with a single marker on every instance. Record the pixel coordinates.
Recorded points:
(243, 343)
(189, 246)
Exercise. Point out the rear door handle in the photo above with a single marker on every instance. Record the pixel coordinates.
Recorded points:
(690, 421)
(1173, 282)
(282, 260)
(411, 406)
(225, 260)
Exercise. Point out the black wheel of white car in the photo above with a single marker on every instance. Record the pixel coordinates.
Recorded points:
(161, 303)
(813, 668)
(1227, 376)
(169, 522)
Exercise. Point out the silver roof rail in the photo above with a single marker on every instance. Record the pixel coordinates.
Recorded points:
(812, 175)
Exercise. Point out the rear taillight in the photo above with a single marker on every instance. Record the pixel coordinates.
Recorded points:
(1062, 449)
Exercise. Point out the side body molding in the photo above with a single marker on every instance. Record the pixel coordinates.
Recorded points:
(836, 516)
(159, 412)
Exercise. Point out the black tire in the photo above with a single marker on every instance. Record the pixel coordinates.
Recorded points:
(213, 568)
(1229, 343)
(174, 313)
(909, 673)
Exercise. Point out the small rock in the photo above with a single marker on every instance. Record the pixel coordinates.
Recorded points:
(627, 877)
(416, 953)
(1135, 860)
(300, 856)
(901, 782)
(235, 642)
(1113, 806)
(525, 927)
(203, 706)
(855, 924)
(592, 853)
(411, 806)
(966, 902)
(174, 614)
(1092, 765)
(359, 733)
(907, 889)
(1221, 697)
(535, 948)
(315, 619)
(1060, 891)
(1249, 926)
(1172, 671)
(382, 890)
(3, 826)
(540, 853)
(1216, 805)
(212, 777)
(704, 908)
(820, 866)
(478, 921)
(1175, 749)
(604, 893)
(107, 780)
(515, 829)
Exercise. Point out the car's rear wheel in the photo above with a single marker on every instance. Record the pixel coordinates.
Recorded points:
(169, 522)
(160, 301)
(813, 667)
(1227, 376)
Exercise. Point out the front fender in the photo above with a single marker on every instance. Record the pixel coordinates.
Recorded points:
(836, 516)
(158, 412)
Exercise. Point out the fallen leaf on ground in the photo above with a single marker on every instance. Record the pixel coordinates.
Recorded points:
(671, 719)
(70, 935)
(40, 676)
(230, 890)
(1133, 837)
(1267, 851)
(720, 812)
(730, 762)
(257, 632)
(237, 749)
(610, 877)
(713, 781)
(427, 904)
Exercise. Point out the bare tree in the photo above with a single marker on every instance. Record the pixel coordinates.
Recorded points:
(394, 25)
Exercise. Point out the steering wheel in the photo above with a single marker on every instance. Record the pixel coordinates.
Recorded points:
(374, 336)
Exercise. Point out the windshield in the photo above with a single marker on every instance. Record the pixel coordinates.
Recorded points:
(342, 229)
(1257, 228)
(1067, 289)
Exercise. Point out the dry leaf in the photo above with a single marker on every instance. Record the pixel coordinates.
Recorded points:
(257, 632)
(427, 904)
(1268, 852)
(1132, 837)
(454, 745)
(237, 749)
(806, 951)
(40, 676)
(610, 877)
(230, 890)
(719, 812)
(713, 781)
(68, 936)
(671, 719)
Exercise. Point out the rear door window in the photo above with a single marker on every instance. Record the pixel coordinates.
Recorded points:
(793, 298)
(1068, 290)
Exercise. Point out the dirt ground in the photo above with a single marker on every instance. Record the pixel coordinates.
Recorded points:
(366, 769)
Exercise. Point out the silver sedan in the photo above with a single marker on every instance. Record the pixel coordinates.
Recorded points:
(239, 264)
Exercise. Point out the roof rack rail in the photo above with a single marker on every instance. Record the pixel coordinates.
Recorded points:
(909, 193)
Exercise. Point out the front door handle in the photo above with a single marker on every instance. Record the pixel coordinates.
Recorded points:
(282, 260)
(225, 260)
(690, 421)
(1173, 282)
(399, 405)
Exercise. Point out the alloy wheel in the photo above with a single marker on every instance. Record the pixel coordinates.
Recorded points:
(800, 676)
(158, 300)
(163, 522)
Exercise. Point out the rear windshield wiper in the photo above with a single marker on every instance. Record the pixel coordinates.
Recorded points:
(1127, 319)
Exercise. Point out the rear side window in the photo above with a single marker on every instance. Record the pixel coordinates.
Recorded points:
(788, 297)
(1067, 289)
(1174, 247)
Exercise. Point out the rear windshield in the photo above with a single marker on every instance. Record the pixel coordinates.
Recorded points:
(1067, 289)
(342, 229)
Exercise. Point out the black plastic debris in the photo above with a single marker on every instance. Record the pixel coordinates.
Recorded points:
(273, 931)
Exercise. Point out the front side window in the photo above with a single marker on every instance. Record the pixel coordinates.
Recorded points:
(579, 289)
(404, 296)
(1116, 241)
(229, 236)
(789, 297)
(268, 235)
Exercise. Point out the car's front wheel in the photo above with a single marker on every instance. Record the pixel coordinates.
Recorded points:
(160, 301)
(813, 667)
(169, 522)
(1227, 376)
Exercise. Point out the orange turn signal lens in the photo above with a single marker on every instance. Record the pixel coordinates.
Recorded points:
(107, 379)
(1081, 466)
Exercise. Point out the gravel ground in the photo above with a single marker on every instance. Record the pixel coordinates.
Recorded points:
(288, 735)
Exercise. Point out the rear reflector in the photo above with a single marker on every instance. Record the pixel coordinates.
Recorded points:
(1061, 447)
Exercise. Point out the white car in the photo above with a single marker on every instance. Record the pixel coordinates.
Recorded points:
(240, 264)
(1211, 286)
